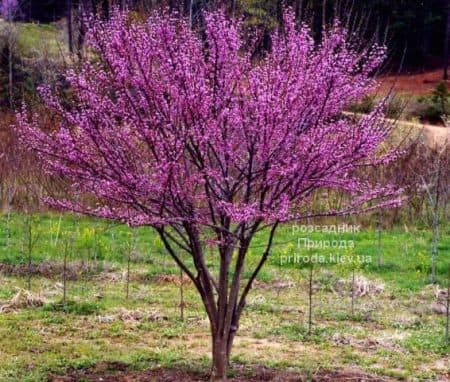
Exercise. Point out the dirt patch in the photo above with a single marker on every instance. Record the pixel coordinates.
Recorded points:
(347, 376)
(413, 83)
(440, 305)
(365, 343)
(22, 299)
(114, 277)
(359, 288)
(274, 285)
(125, 315)
(173, 279)
(49, 269)
(117, 372)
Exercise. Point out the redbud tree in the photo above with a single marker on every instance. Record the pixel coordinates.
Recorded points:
(188, 133)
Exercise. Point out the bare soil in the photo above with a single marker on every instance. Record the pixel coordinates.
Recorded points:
(412, 83)
(49, 269)
(117, 372)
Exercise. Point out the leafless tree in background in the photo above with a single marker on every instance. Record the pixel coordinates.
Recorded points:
(447, 41)
(435, 183)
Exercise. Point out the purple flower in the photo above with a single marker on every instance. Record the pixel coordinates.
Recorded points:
(9, 8)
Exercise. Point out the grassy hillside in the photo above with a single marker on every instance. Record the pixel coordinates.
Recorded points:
(37, 41)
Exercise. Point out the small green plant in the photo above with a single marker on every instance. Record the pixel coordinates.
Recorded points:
(427, 340)
(355, 266)
(395, 108)
(28, 245)
(299, 332)
(365, 106)
(72, 307)
(441, 97)
(422, 264)
(159, 270)
(447, 310)
(310, 298)
(437, 105)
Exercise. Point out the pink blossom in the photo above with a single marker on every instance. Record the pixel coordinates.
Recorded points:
(176, 129)
(9, 8)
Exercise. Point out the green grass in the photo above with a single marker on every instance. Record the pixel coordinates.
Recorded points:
(405, 255)
(72, 307)
(40, 40)
(89, 239)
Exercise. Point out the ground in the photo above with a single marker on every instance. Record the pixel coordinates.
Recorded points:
(100, 334)
(417, 83)
(119, 373)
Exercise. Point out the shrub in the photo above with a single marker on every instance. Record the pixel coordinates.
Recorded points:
(437, 105)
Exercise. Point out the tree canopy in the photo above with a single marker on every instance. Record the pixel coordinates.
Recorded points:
(188, 133)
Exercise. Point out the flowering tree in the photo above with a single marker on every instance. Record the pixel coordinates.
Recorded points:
(187, 134)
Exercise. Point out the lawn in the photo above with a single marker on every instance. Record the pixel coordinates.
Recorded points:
(392, 331)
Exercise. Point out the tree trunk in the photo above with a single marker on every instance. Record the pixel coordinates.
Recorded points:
(10, 78)
(324, 14)
(447, 312)
(310, 303)
(11, 44)
(280, 12)
(191, 13)
(299, 11)
(29, 230)
(182, 304)
(81, 29)
(105, 9)
(447, 41)
(65, 274)
(220, 359)
(233, 8)
(69, 25)
(379, 252)
(434, 244)
(223, 298)
(353, 290)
